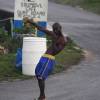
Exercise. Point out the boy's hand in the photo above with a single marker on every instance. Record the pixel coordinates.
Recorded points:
(27, 20)
(35, 20)
(31, 21)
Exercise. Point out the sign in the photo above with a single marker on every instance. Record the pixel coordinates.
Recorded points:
(31, 9)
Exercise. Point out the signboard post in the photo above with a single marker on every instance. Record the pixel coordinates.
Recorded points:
(31, 9)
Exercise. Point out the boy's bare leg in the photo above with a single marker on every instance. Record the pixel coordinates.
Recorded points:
(41, 83)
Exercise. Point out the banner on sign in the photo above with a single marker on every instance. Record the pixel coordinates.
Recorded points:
(31, 9)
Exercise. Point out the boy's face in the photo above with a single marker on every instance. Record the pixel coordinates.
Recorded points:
(56, 27)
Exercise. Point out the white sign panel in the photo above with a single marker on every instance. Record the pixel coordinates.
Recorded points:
(31, 9)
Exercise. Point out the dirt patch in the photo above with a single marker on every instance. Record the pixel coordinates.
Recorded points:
(88, 55)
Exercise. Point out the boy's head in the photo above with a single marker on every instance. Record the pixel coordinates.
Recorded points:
(57, 27)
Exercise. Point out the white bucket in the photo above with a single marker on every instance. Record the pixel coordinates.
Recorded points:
(33, 49)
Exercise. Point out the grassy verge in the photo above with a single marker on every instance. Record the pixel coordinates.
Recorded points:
(91, 5)
(69, 56)
(8, 71)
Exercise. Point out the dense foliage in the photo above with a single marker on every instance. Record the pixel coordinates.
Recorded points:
(9, 43)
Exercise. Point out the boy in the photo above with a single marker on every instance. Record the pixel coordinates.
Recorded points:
(47, 61)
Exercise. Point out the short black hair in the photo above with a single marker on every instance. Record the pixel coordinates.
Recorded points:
(57, 26)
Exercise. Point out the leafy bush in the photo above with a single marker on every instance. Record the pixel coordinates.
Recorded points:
(8, 42)
(12, 44)
(3, 35)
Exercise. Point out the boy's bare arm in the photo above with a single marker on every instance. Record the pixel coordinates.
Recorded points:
(51, 33)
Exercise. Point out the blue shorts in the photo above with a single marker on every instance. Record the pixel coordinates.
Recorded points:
(45, 66)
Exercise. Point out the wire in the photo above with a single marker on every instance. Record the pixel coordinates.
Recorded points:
(6, 19)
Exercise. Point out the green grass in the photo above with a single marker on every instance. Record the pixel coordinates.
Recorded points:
(64, 60)
(68, 57)
(8, 71)
(91, 5)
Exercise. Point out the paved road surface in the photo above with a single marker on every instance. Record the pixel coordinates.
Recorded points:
(82, 82)
(7, 5)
